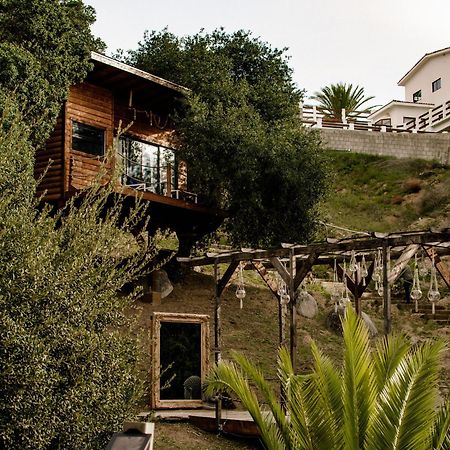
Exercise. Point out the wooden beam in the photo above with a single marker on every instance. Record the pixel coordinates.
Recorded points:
(272, 285)
(223, 281)
(282, 271)
(305, 267)
(441, 267)
(402, 262)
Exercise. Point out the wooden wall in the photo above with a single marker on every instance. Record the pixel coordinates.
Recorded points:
(91, 105)
(94, 106)
(50, 159)
(151, 128)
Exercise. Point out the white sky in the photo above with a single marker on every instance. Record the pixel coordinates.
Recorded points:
(370, 43)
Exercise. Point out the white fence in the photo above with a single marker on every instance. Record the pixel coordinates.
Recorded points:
(312, 116)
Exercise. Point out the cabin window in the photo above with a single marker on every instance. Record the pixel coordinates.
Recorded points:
(436, 85)
(88, 139)
(417, 96)
(147, 166)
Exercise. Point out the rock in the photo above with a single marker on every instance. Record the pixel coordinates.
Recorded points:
(370, 325)
(334, 321)
(307, 306)
(164, 283)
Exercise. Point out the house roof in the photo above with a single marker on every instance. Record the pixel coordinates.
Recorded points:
(393, 103)
(421, 62)
(129, 82)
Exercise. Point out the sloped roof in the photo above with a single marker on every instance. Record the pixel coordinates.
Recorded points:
(421, 62)
(393, 103)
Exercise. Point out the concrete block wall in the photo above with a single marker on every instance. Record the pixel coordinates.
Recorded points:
(430, 146)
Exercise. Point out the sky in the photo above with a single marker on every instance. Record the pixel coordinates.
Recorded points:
(369, 43)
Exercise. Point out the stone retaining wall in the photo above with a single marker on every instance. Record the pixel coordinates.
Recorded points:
(430, 146)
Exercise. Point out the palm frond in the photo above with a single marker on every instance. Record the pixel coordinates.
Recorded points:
(440, 430)
(405, 407)
(390, 351)
(292, 386)
(227, 376)
(323, 398)
(358, 391)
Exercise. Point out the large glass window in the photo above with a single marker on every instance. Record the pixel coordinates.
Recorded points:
(88, 139)
(148, 167)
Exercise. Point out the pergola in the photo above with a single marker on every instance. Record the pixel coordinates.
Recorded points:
(299, 258)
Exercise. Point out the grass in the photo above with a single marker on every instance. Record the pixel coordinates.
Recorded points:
(375, 193)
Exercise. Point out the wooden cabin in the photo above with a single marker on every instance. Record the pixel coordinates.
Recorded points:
(117, 97)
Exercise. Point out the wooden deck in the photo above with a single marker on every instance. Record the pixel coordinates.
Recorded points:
(236, 423)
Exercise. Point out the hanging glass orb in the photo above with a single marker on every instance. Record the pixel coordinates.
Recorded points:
(416, 294)
(335, 294)
(363, 270)
(284, 299)
(240, 294)
(380, 290)
(434, 295)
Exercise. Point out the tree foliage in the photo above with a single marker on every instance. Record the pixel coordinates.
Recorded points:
(336, 97)
(68, 366)
(382, 399)
(240, 133)
(45, 47)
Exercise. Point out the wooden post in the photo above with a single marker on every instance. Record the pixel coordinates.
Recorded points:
(217, 350)
(386, 289)
(293, 310)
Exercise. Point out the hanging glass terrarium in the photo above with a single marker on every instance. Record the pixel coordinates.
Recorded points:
(378, 268)
(353, 265)
(240, 290)
(345, 299)
(433, 293)
(416, 292)
(363, 271)
(336, 290)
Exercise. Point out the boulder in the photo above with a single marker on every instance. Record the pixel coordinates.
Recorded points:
(334, 321)
(307, 305)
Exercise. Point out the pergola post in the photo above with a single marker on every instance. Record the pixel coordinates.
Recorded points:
(217, 332)
(386, 289)
(293, 310)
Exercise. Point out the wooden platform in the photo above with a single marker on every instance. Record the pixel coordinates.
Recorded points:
(236, 423)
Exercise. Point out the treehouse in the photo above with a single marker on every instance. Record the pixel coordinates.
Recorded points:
(120, 117)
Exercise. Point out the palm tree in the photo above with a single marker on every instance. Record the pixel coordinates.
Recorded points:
(381, 399)
(336, 97)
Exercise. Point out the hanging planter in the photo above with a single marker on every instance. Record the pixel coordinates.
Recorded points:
(416, 292)
(240, 290)
(433, 293)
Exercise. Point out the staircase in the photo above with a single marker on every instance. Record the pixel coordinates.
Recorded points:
(441, 316)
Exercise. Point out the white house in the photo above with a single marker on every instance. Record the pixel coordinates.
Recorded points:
(427, 96)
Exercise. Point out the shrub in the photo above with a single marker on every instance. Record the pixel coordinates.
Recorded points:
(412, 185)
(68, 368)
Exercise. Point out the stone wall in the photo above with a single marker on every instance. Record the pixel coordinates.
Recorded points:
(430, 146)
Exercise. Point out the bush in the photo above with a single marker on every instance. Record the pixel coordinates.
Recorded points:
(68, 367)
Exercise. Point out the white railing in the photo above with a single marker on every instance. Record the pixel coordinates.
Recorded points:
(312, 116)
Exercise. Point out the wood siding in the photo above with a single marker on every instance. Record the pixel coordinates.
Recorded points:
(91, 105)
(49, 160)
(146, 126)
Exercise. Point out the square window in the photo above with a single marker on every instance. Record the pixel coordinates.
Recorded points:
(436, 85)
(88, 139)
(417, 96)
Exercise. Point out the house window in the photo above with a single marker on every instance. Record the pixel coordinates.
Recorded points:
(383, 122)
(436, 85)
(148, 167)
(88, 139)
(417, 96)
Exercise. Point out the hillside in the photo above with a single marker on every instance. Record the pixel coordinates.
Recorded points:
(368, 193)
(374, 193)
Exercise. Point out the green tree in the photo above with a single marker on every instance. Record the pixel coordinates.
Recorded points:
(336, 97)
(69, 367)
(380, 399)
(240, 132)
(45, 47)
